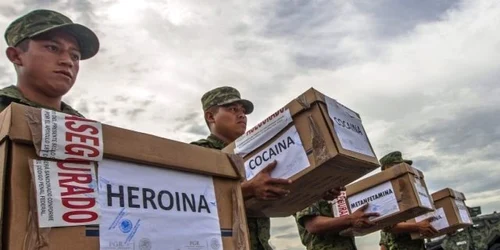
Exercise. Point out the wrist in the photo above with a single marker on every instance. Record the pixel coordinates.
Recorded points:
(350, 220)
(247, 189)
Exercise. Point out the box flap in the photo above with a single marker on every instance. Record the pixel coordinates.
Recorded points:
(447, 192)
(384, 176)
(136, 147)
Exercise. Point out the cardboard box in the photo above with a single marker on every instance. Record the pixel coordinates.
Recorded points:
(314, 152)
(450, 215)
(398, 194)
(18, 208)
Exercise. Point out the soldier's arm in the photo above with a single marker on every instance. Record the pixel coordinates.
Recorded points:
(323, 224)
(423, 227)
(315, 222)
(404, 227)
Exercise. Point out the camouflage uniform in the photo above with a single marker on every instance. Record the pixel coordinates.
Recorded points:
(34, 24)
(12, 94)
(328, 241)
(259, 228)
(400, 241)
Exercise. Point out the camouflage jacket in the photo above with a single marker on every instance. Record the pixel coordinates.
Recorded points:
(329, 241)
(401, 241)
(12, 94)
(259, 228)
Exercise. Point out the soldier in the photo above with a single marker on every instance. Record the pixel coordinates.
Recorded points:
(45, 48)
(225, 115)
(398, 236)
(319, 229)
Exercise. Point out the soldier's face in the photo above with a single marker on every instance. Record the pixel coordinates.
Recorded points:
(231, 120)
(51, 63)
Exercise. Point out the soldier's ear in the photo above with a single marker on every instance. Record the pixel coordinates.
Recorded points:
(14, 55)
(209, 116)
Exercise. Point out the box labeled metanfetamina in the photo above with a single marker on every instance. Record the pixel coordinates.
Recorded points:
(397, 194)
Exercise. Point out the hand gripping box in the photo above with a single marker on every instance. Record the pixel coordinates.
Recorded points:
(318, 143)
(450, 215)
(397, 194)
(135, 191)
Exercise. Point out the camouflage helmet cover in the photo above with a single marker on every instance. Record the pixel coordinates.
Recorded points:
(222, 96)
(41, 21)
(393, 158)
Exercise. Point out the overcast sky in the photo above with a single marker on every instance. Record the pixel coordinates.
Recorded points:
(424, 75)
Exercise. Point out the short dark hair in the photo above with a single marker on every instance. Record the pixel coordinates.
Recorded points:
(24, 45)
(214, 110)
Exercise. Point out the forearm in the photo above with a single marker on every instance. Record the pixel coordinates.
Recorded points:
(323, 224)
(404, 227)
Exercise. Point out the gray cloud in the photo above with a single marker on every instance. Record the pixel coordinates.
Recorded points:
(393, 17)
(6, 77)
(473, 128)
(425, 163)
(198, 129)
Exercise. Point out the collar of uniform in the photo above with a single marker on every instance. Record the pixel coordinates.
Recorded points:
(14, 93)
(215, 139)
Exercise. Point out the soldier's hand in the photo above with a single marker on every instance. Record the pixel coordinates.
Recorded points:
(426, 229)
(333, 193)
(265, 187)
(360, 219)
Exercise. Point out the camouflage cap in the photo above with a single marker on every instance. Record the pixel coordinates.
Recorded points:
(222, 96)
(393, 158)
(40, 21)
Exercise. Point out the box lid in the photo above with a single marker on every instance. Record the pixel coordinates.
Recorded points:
(128, 145)
(448, 192)
(384, 176)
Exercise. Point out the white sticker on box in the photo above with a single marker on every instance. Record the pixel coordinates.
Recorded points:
(462, 210)
(339, 205)
(438, 221)
(287, 150)
(66, 193)
(349, 128)
(423, 195)
(381, 199)
(139, 210)
(68, 137)
(263, 132)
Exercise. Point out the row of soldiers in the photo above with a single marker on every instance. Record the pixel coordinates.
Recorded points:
(46, 48)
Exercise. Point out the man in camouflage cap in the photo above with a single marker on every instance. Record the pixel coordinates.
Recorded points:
(225, 115)
(398, 236)
(45, 48)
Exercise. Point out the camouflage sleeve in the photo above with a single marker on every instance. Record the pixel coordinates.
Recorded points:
(313, 210)
(383, 239)
(2, 106)
(202, 143)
